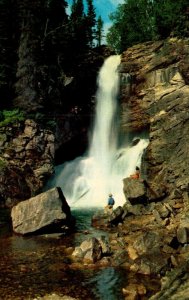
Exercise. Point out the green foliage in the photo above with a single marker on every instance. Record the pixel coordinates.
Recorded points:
(11, 116)
(171, 17)
(51, 124)
(3, 164)
(147, 20)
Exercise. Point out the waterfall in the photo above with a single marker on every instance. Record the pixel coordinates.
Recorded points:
(87, 181)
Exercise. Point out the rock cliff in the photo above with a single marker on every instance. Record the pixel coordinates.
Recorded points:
(26, 160)
(154, 92)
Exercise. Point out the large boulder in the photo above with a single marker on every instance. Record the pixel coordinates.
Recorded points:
(116, 217)
(134, 190)
(90, 250)
(47, 212)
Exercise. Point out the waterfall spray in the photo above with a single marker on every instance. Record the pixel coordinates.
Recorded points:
(87, 181)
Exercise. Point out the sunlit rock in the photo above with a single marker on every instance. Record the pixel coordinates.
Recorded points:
(149, 242)
(46, 212)
(104, 242)
(90, 250)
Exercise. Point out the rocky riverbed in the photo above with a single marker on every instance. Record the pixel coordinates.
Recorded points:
(42, 267)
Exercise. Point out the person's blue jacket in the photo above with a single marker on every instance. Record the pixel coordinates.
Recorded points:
(111, 201)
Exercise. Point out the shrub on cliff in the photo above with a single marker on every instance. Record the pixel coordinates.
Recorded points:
(11, 116)
(3, 164)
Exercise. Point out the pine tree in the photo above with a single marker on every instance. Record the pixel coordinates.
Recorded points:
(90, 22)
(78, 27)
(99, 31)
(8, 47)
(26, 86)
(56, 52)
(56, 13)
(77, 14)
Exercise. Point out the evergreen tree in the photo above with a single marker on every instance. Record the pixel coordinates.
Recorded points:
(56, 14)
(77, 11)
(56, 21)
(78, 24)
(55, 52)
(90, 22)
(42, 54)
(31, 26)
(78, 30)
(99, 31)
(8, 47)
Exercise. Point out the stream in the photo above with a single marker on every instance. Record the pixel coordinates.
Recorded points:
(37, 265)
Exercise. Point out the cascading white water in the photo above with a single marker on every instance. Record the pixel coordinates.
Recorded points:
(87, 181)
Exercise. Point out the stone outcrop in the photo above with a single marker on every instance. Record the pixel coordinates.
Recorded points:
(26, 160)
(89, 250)
(142, 191)
(92, 250)
(46, 212)
(175, 285)
(155, 93)
(150, 238)
(134, 190)
(155, 232)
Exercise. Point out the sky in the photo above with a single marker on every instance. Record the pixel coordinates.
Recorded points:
(104, 8)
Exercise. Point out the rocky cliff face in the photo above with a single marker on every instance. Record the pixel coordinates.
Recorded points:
(26, 160)
(155, 94)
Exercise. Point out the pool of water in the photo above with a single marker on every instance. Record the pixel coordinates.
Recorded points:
(38, 265)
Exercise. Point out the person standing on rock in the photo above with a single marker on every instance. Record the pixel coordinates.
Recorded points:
(111, 202)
